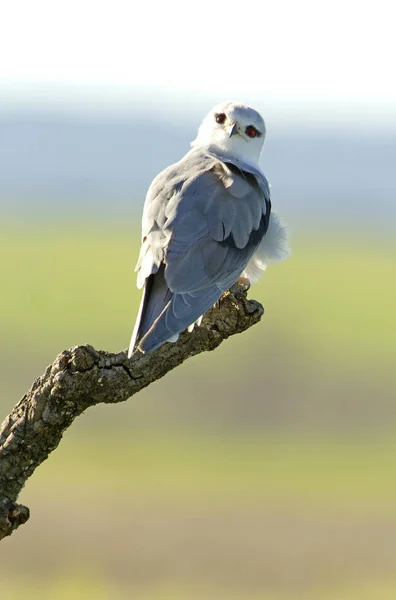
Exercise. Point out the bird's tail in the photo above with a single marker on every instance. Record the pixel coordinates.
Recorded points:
(156, 297)
(180, 312)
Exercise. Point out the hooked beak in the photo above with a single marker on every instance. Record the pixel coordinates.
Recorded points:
(233, 130)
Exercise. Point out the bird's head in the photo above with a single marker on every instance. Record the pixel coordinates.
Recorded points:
(232, 130)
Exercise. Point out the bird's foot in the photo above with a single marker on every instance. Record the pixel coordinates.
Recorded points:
(244, 283)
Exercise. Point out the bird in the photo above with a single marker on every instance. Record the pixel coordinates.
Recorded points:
(206, 222)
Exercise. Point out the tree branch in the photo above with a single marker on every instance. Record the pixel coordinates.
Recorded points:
(82, 377)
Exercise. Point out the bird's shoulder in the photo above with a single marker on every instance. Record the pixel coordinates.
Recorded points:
(191, 166)
(197, 174)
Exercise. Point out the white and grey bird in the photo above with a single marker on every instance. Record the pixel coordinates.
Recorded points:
(207, 220)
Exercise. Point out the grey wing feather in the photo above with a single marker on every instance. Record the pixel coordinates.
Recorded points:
(202, 222)
(214, 244)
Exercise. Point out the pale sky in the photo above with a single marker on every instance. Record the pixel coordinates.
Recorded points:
(291, 51)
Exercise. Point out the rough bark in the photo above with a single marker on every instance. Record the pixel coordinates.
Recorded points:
(82, 377)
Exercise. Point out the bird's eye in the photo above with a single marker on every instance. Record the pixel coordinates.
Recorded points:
(251, 131)
(220, 118)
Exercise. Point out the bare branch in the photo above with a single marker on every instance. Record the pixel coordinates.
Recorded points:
(82, 377)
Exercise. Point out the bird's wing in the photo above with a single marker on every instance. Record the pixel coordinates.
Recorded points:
(165, 192)
(215, 225)
(202, 223)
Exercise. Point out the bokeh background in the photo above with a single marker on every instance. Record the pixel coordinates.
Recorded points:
(266, 470)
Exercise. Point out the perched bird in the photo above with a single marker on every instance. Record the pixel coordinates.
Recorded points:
(206, 221)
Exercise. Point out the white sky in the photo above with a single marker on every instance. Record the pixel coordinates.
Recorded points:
(283, 50)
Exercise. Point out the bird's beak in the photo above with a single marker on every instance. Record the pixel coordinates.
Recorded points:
(232, 129)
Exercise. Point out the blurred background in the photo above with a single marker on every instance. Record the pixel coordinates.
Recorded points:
(266, 470)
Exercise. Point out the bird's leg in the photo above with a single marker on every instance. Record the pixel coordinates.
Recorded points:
(242, 282)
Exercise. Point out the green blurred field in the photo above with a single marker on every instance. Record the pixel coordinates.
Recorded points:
(183, 515)
(75, 283)
(264, 470)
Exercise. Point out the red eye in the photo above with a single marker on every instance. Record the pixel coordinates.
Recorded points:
(220, 118)
(251, 131)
